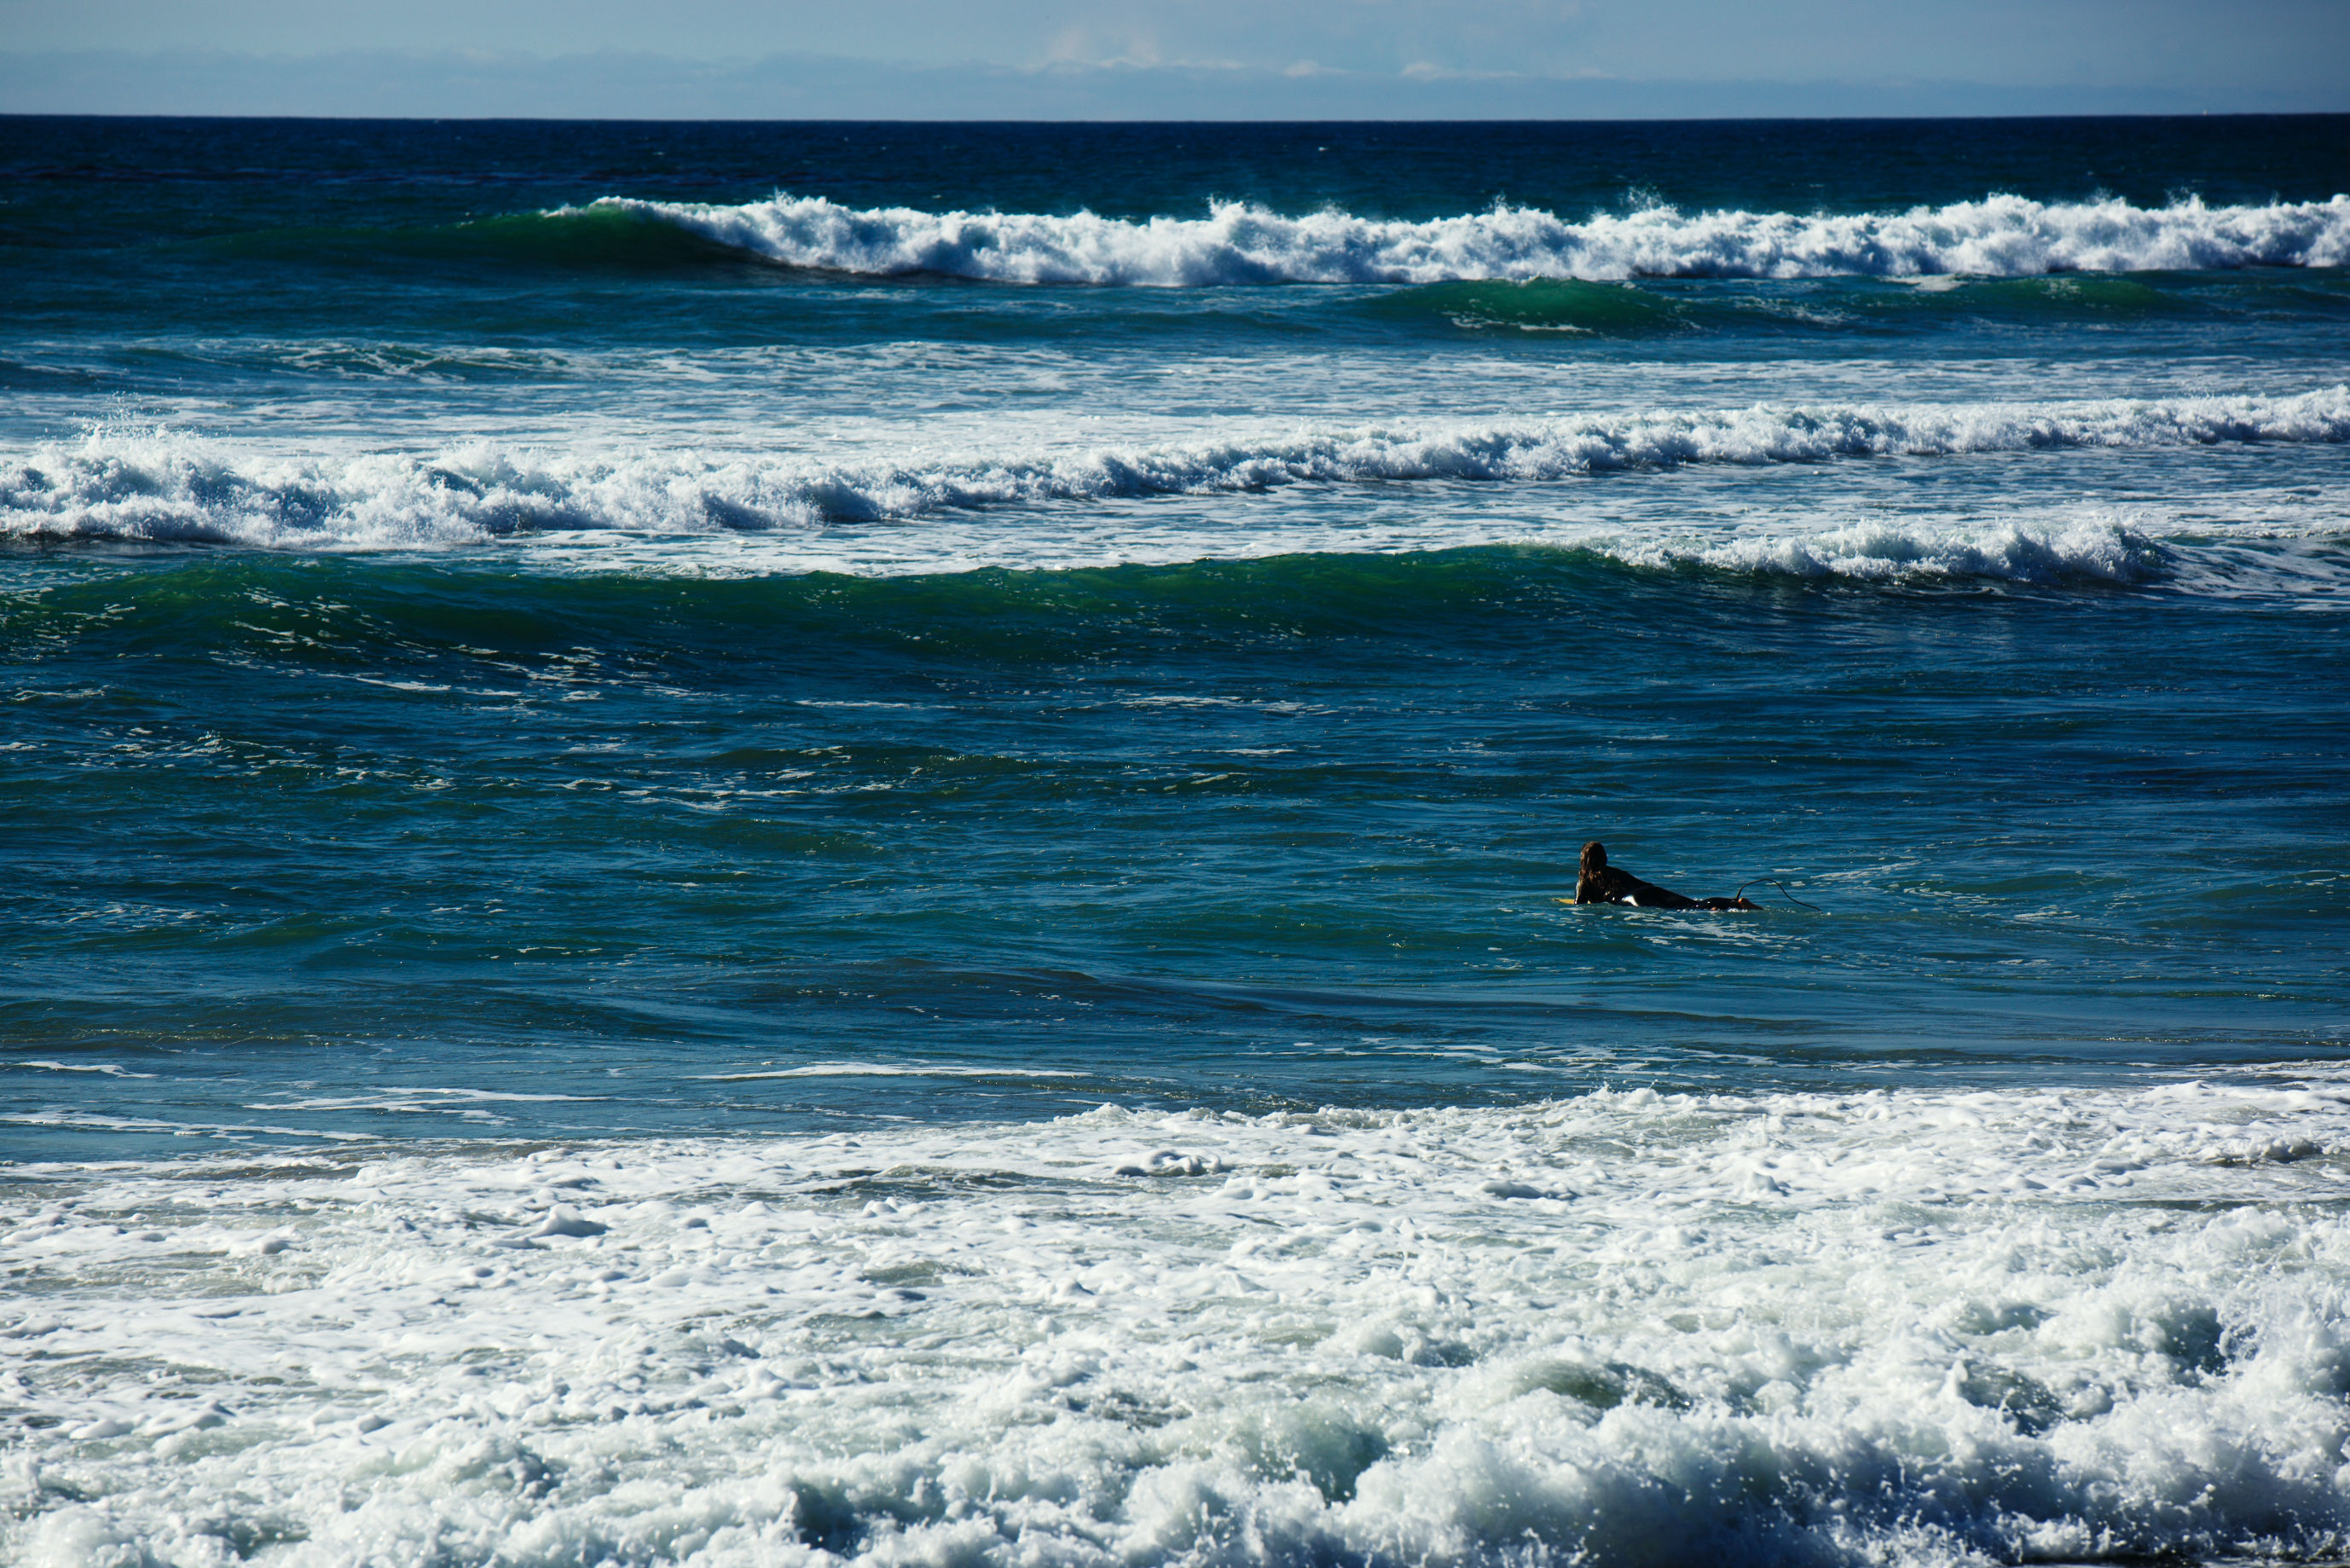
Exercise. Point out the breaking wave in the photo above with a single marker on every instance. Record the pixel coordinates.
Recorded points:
(2000, 236)
(162, 485)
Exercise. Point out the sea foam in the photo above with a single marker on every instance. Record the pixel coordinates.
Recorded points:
(160, 486)
(1915, 1326)
(1239, 245)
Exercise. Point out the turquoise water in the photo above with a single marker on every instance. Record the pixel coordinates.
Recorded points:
(626, 740)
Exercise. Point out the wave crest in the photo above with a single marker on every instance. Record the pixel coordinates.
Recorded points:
(162, 485)
(1237, 243)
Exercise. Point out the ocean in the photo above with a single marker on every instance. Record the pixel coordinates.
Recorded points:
(817, 844)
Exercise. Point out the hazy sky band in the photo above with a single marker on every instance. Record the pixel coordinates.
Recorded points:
(1205, 58)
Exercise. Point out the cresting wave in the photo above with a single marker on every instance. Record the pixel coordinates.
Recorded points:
(1927, 1328)
(117, 484)
(2001, 236)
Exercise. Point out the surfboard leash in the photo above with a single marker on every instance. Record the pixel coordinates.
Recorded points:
(1774, 882)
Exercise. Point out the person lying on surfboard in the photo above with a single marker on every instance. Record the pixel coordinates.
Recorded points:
(1600, 883)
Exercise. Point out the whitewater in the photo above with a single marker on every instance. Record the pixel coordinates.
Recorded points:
(165, 485)
(1629, 1326)
(1242, 243)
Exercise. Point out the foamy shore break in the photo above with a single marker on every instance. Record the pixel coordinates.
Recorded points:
(1238, 244)
(1895, 1326)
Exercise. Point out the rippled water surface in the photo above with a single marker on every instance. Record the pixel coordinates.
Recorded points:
(802, 844)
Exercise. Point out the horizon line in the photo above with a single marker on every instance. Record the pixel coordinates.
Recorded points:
(9, 114)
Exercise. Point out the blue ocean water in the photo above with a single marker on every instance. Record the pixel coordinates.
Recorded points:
(791, 843)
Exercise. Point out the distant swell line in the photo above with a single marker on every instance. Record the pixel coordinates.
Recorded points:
(1238, 244)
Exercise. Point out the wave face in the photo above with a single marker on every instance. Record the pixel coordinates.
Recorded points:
(1577, 307)
(1237, 245)
(160, 486)
(1933, 1328)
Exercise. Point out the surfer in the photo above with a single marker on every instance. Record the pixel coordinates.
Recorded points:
(1599, 883)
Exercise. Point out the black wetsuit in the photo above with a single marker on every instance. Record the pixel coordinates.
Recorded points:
(1614, 885)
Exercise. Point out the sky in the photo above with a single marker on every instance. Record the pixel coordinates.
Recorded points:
(1174, 58)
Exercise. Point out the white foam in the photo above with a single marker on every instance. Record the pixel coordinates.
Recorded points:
(2001, 236)
(118, 483)
(403, 1097)
(101, 1121)
(107, 1069)
(2094, 548)
(884, 1070)
(1916, 1326)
